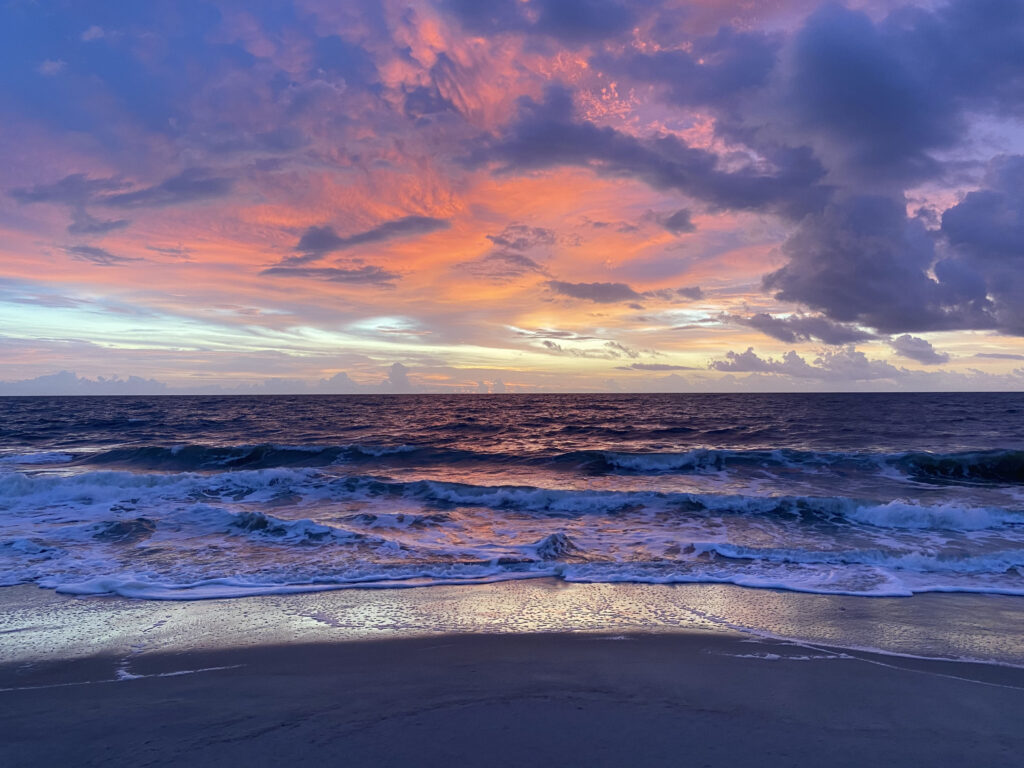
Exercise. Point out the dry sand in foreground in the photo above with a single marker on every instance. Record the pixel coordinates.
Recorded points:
(557, 699)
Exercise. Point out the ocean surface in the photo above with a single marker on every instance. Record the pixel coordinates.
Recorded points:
(197, 497)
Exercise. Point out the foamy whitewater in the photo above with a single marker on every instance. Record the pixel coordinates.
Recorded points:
(198, 497)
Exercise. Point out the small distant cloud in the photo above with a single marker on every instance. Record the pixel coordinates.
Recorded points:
(655, 367)
(610, 293)
(366, 275)
(51, 67)
(680, 222)
(693, 292)
(917, 349)
(602, 293)
(93, 33)
(502, 266)
(551, 333)
(610, 350)
(82, 223)
(509, 260)
(176, 252)
(999, 356)
(519, 237)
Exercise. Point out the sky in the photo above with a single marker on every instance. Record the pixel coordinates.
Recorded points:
(511, 196)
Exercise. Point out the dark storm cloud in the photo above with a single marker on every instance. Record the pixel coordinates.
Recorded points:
(365, 275)
(986, 231)
(319, 241)
(877, 100)
(570, 21)
(893, 91)
(917, 349)
(546, 135)
(869, 87)
(803, 328)
(878, 97)
(602, 293)
(861, 260)
(989, 223)
(864, 261)
(98, 256)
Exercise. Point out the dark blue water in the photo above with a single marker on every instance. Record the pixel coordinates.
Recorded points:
(190, 497)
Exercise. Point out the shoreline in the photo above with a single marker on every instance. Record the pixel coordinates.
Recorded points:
(40, 625)
(509, 674)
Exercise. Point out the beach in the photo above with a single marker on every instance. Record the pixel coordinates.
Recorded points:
(526, 383)
(554, 580)
(251, 682)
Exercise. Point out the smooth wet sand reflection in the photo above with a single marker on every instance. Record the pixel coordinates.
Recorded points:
(37, 624)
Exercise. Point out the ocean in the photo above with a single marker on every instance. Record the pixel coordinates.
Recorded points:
(184, 498)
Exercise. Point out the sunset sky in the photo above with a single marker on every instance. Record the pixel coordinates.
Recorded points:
(512, 195)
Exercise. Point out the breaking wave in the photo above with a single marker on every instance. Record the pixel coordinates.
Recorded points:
(189, 535)
(1005, 467)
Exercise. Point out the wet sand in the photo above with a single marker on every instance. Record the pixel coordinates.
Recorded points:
(115, 682)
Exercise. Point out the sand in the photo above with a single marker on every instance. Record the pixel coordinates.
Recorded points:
(513, 700)
(672, 697)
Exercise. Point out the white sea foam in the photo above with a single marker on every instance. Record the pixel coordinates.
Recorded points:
(219, 588)
(697, 459)
(922, 562)
(191, 535)
(945, 516)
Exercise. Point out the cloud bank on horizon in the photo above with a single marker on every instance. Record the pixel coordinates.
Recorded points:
(526, 195)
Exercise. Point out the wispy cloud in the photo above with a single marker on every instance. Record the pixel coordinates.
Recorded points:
(317, 242)
(98, 256)
(357, 275)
